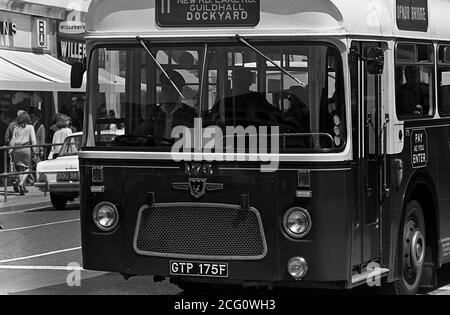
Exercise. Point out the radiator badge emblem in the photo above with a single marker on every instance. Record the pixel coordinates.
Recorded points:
(198, 187)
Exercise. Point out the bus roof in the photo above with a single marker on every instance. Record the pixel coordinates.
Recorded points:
(118, 18)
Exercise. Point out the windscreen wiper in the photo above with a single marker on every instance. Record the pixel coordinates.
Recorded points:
(243, 41)
(142, 42)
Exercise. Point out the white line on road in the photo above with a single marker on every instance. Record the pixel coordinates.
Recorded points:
(22, 211)
(52, 268)
(40, 225)
(33, 209)
(40, 255)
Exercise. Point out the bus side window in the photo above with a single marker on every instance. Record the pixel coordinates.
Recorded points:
(444, 92)
(414, 80)
(444, 80)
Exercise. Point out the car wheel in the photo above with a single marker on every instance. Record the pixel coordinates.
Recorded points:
(59, 202)
(411, 255)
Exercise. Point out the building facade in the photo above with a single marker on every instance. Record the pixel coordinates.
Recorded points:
(39, 40)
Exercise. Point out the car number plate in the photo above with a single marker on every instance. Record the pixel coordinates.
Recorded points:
(68, 177)
(198, 269)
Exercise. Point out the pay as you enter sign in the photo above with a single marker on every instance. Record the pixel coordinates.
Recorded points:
(185, 13)
(419, 148)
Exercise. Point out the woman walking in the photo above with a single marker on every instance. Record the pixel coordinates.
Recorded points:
(62, 123)
(23, 135)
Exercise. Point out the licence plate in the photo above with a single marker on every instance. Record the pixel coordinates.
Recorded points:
(68, 177)
(197, 269)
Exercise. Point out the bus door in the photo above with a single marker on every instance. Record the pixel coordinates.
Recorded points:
(368, 128)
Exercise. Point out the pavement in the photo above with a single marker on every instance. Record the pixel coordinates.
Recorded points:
(34, 199)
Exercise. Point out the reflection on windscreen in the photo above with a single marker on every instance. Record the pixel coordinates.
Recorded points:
(138, 105)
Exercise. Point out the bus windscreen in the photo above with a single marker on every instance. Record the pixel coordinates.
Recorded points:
(135, 104)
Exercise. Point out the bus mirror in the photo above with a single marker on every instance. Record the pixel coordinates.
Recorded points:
(76, 75)
(375, 60)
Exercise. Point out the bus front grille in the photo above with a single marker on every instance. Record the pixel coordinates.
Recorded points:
(200, 231)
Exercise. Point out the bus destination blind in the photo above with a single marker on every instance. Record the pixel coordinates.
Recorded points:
(198, 13)
(412, 15)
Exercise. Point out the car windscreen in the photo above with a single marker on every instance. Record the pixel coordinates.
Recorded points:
(71, 146)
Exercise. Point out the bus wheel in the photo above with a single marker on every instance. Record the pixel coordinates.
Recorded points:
(412, 250)
(59, 202)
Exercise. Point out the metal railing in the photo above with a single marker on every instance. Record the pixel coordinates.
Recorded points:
(6, 152)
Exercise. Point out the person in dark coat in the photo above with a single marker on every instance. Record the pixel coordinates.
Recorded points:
(172, 112)
(245, 107)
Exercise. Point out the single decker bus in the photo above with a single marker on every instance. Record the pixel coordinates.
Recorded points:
(298, 144)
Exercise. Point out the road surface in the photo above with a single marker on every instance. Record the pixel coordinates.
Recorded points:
(39, 246)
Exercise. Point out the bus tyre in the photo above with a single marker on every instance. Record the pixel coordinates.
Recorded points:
(59, 202)
(411, 250)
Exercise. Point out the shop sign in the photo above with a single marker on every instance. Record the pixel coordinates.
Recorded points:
(72, 27)
(8, 28)
(71, 50)
(41, 33)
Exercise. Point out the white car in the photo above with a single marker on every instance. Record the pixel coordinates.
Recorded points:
(60, 176)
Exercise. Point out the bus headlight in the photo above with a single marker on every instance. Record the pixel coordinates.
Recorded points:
(297, 268)
(106, 216)
(297, 223)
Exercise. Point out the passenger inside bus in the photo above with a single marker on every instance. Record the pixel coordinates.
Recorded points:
(101, 116)
(412, 96)
(172, 112)
(297, 114)
(245, 107)
(398, 77)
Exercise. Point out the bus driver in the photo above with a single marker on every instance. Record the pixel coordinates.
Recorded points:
(245, 107)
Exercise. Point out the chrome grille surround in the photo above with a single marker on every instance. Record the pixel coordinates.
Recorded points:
(186, 244)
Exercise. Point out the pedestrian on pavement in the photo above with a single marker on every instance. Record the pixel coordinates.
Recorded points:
(23, 135)
(60, 135)
(11, 127)
(8, 137)
(112, 116)
(39, 129)
(71, 127)
(3, 128)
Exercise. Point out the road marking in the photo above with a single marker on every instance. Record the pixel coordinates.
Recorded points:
(40, 225)
(40, 255)
(24, 211)
(49, 206)
(51, 268)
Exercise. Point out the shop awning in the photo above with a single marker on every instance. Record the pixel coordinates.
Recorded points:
(26, 71)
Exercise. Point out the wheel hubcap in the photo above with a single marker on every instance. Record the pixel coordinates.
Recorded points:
(418, 249)
(413, 252)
